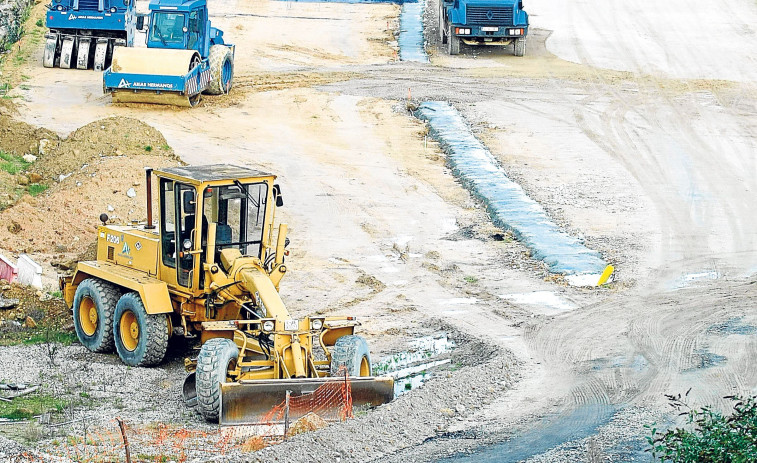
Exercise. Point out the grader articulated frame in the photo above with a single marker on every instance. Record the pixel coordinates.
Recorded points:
(212, 268)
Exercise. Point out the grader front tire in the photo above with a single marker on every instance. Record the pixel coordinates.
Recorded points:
(351, 353)
(217, 357)
(141, 339)
(94, 304)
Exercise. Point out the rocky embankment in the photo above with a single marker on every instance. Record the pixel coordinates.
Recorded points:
(11, 15)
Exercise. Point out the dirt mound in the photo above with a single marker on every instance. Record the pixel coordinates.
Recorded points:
(64, 219)
(114, 136)
(20, 138)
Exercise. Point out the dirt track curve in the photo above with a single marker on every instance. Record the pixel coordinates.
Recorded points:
(631, 132)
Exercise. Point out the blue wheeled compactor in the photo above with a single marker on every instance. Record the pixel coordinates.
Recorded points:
(83, 33)
(483, 22)
(185, 57)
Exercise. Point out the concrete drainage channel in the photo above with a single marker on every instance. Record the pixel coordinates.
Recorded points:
(508, 205)
(412, 367)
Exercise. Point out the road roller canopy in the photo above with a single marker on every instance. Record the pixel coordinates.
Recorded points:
(178, 24)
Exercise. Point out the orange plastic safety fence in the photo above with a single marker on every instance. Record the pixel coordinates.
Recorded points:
(160, 442)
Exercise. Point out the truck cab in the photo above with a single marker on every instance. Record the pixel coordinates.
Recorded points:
(483, 22)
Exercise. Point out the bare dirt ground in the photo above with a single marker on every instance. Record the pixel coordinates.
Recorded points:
(627, 134)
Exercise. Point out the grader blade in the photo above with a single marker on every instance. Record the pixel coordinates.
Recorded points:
(252, 402)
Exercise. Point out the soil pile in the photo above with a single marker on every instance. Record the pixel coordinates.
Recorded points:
(98, 169)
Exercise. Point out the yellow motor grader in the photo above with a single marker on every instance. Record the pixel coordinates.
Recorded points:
(211, 267)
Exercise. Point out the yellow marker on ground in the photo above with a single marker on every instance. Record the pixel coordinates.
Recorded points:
(605, 275)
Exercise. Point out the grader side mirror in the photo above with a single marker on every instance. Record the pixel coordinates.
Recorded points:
(140, 23)
(277, 195)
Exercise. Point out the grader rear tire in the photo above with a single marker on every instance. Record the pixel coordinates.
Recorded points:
(94, 304)
(352, 353)
(141, 339)
(217, 356)
(221, 70)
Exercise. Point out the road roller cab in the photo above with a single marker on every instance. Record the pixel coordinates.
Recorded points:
(185, 57)
(211, 268)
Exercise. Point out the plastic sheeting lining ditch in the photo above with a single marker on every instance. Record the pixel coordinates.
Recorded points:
(411, 32)
(411, 367)
(411, 26)
(508, 205)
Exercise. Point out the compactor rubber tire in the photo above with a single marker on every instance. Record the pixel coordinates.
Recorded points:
(221, 70)
(94, 304)
(453, 42)
(352, 353)
(519, 48)
(216, 357)
(141, 339)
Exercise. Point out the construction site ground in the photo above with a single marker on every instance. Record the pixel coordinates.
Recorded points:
(633, 131)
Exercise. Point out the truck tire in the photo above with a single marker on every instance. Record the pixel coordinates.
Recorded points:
(94, 304)
(519, 48)
(453, 42)
(442, 24)
(351, 352)
(221, 70)
(216, 357)
(141, 339)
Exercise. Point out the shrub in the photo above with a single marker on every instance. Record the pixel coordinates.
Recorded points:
(708, 436)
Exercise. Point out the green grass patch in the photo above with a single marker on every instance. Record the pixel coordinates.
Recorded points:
(148, 148)
(29, 406)
(12, 164)
(40, 336)
(37, 189)
(39, 23)
(471, 279)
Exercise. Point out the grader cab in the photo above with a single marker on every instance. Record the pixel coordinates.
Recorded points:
(211, 268)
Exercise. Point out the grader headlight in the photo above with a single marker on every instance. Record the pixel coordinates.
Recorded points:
(316, 324)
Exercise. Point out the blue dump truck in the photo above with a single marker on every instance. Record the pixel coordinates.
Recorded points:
(83, 33)
(483, 22)
(185, 56)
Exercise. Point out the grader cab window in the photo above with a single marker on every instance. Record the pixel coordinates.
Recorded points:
(239, 214)
(178, 201)
(168, 223)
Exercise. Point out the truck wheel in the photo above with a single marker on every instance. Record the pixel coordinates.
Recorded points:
(221, 70)
(217, 357)
(453, 42)
(442, 25)
(94, 303)
(351, 352)
(520, 47)
(141, 339)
